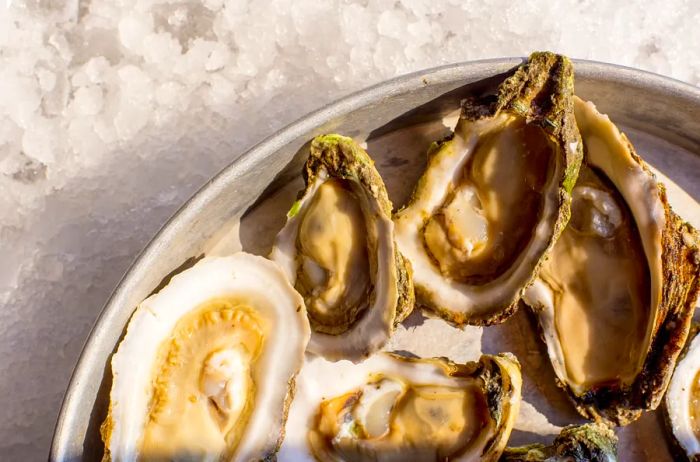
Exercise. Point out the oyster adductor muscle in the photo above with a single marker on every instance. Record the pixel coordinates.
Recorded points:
(494, 195)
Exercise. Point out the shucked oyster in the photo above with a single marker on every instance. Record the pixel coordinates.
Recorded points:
(206, 369)
(616, 296)
(395, 408)
(683, 401)
(494, 196)
(591, 442)
(338, 250)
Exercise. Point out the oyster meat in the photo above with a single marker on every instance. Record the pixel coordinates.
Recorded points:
(494, 196)
(206, 368)
(616, 296)
(397, 408)
(591, 442)
(682, 402)
(337, 248)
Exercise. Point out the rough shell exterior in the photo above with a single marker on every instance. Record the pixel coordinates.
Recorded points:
(575, 443)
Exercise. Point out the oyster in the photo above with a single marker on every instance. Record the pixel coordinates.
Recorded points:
(206, 369)
(576, 443)
(394, 408)
(338, 250)
(682, 402)
(494, 196)
(616, 296)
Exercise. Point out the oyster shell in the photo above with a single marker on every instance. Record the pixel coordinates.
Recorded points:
(394, 408)
(576, 443)
(616, 296)
(206, 368)
(337, 248)
(494, 196)
(682, 401)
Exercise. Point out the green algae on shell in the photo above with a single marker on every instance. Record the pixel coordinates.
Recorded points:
(494, 196)
(338, 250)
(591, 442)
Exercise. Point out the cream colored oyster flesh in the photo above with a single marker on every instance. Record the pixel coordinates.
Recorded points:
(600, 278)
(206, 368)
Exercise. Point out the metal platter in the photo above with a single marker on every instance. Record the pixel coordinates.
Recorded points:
(661, 116)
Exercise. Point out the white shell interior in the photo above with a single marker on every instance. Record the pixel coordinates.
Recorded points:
(679, 397)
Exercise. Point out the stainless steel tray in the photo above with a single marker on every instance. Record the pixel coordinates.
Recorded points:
(661, 116)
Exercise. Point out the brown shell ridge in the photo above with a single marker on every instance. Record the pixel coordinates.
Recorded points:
(343, 158)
